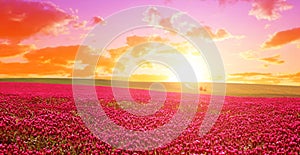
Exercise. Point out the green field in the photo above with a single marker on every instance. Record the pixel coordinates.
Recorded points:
(232, 89)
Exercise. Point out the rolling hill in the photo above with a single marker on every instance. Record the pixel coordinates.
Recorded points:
(232, 89)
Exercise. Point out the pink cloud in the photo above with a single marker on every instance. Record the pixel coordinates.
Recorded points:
(264, 9)
(97, 20)
(269, 9)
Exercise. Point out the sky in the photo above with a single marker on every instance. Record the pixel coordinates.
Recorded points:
(258, 40)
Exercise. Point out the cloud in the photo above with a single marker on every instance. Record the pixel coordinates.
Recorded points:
(264, 9)
(7, 50)
(253, 77)
(25, 69)
(50, 62)
(295, 77)
(80, 25)
(265, 78)
(249, 55)
(273, 60)
(64, 56)
(152, 16)
(108, 60)
(54, 61)
(135, 40)
(253, 55)
(97, 20)
(249, 74)
(106, 63)
(53, 55)
(269, 9)
(22, 19)
(177, 23)
(207, 32)
(172, 23)
(283, 37)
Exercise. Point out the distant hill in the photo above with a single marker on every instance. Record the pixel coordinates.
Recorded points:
(232, 89)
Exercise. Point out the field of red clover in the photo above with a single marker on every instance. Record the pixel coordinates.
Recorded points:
(42, 119)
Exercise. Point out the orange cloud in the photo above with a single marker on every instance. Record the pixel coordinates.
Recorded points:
(294, 77)
(273, 59)
(260, 80)
(22, 19)
(50, 62)
(26, 69)
(282, 38)
(53, 55)
(13, 50)
(253, 55)
(254, 78)
(106, 64)
(265, 78)
(248, 74)
(264, 9)
(53, 61)
(135, 40)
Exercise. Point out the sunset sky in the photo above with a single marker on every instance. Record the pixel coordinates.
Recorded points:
(258, 40)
